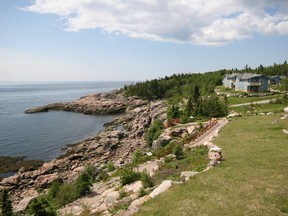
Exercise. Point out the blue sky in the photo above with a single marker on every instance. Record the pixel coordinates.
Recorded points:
(95, 40)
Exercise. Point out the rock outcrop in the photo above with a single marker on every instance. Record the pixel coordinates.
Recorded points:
(100, 103)
(116, 143)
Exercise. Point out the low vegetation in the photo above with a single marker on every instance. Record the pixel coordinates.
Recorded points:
(251, 180)
(61, 194)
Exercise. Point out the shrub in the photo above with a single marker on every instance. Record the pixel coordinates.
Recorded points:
(137, 157)
(122, 193)
(128, 176)
(146, 180)
(41, 206)
(102, 176)
(110, 166)
(178, 152)
(168, 159)
(142, 192)
(6, 204)
(154, 132)
(62, 194)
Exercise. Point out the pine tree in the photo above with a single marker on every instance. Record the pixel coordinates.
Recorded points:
(196, 94)
(6, 204)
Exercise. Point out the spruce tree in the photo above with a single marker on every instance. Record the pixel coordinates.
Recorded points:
(6, 204)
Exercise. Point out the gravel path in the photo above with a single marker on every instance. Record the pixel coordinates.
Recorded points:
(255, 102)
(212, 133)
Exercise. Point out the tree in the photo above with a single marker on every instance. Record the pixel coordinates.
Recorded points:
(189, 107)
(196, 93)
(284, 84)
(6, 204)
(178, 152)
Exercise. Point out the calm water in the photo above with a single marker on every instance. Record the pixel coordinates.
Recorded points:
(42, 135)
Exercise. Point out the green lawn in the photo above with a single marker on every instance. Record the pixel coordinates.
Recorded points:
(253, 179)
(237, 100)
(276, 108)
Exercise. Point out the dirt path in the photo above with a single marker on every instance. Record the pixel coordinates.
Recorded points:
(212, 133)
(255, 102)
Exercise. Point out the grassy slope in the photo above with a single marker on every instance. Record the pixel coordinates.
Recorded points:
(237, 100)
(253, 180)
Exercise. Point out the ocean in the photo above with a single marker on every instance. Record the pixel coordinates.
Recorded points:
(43, 135)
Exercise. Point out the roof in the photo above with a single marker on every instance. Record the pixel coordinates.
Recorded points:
(244, 76)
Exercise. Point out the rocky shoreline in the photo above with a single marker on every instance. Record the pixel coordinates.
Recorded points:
(101, 103)
(116, 143)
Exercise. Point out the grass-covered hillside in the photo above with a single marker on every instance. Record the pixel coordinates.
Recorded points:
(251, 181)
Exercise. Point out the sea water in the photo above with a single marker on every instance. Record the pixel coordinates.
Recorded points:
(43, 135)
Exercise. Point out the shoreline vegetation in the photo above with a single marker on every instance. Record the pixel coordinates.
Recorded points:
(180, 103)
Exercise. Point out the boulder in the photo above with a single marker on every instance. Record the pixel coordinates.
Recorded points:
(111, 198)
(163, 140)
(186, 175)
(191, 129)
(233, 115)
(124, 213)
(134, 206)
(133, 187)
(286, 109)
(215, 149)
(22, 205)
(285, 131)
(43, 181)
(164, 186)
(47, 168)
(11, 181)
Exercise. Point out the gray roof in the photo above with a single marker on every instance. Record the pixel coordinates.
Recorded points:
(244, 76)
(247, 76)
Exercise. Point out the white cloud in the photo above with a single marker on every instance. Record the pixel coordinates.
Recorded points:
(209, 22)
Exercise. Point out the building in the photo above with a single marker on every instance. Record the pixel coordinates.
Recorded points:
(246, 82)
(275, 80)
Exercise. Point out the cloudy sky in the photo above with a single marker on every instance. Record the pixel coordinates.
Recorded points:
(49, 40)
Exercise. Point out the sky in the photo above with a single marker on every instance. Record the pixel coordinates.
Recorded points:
(123, 40)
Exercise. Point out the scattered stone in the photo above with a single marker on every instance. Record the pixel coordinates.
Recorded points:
(164, 186)
(124, 213)
(134, 206)
(232, 115)
(11, 181)
(186, 175)
(133, 187)
(149, 154)
(215, 149)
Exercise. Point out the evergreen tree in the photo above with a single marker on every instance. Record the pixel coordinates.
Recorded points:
(189, 107)
(196, 93)
(6, 204)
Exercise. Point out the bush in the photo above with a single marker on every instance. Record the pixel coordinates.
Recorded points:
(168, 159)
(154, 132)
(128, 176)
(6, 204)
(142, 192)
(146, 180)
(110, 166)
(178, 152)
(62, 194)
(137, 157)
(122, 193)
(41, 206)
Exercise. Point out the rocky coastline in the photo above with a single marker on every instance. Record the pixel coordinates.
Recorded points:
(116, 143)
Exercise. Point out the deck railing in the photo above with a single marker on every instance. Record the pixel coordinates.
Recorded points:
(192, 137)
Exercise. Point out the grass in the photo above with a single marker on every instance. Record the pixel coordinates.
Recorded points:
(237, 100)
(276, 108)
(251, 181)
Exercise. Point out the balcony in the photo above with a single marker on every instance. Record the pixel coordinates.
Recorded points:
(254, 84)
